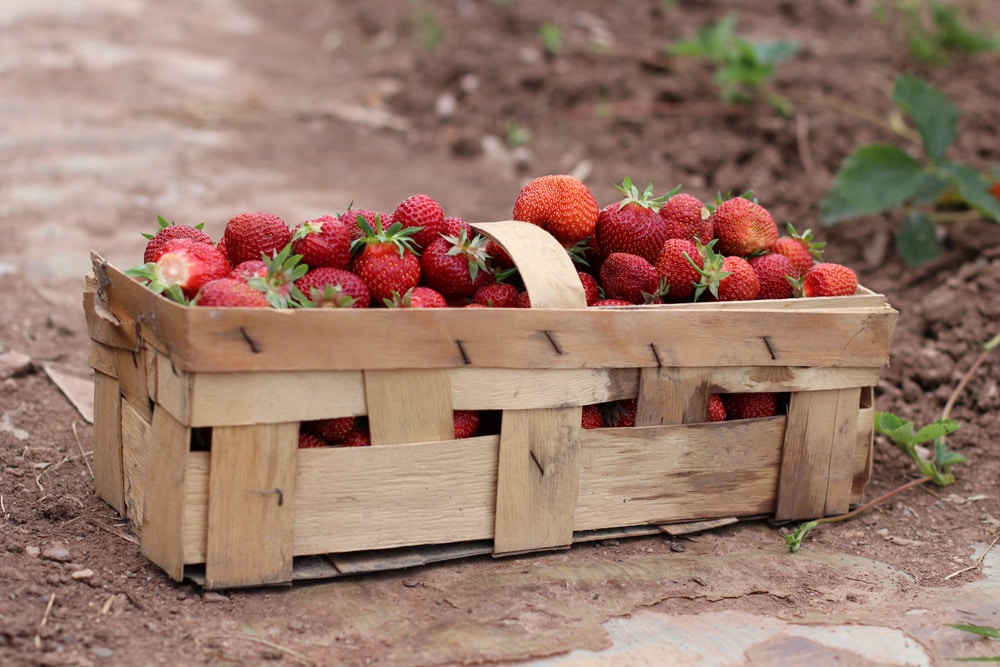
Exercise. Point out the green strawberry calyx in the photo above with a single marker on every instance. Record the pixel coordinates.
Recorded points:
(815, 248)
(396, 234)
(474, 250)
(644, 199)
(278, 285)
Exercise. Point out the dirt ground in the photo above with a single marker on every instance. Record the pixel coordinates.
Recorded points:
(115, 112)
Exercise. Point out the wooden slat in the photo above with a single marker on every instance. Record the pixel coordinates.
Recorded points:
(523, 389)
(408, 406)
(136, 450)
(238, 339)
(863, 454)
(735, 379)
(132, 380)
(673, 395)
(108, 441)
(537, 479)
(251, 505)
(665, 474)
(163, 507)
(102, 358)
(821, 426)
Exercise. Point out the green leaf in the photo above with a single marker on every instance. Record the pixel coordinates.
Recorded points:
(773, 52)
(872, 179)
(935, 117)
(941, 427)
(981, 630)
(973, 188)
(916, 240)
(931, 189)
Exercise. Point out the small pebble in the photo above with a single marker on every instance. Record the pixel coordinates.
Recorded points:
(33, 552)
(296, 625)
(59, 554)
(102, 651)
(610, 543)
(212, 596)
(677, 547)
(86, 573)
(410, 583)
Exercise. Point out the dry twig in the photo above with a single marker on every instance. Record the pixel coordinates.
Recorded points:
(45, 619)
(305, 660)
(83, 454)
(978, 563)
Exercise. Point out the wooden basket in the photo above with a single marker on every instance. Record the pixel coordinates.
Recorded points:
(256, 510)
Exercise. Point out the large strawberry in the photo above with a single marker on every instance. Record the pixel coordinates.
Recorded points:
(327, 287)
(800, 249)
(688, 218)
(386, 260)
(182, 267)
(629, 277)
(774, 273)
(829, 279)
(278, 282)
(497, 295)
(743, 227)
(726, 278)
(632, 225)
(466, 422)
(456, 266)
(230, 293)
(166, 232)
(350, 218)
(250, 235)
(323, 241)
(424, 215)
(677, 266)
(560, 204)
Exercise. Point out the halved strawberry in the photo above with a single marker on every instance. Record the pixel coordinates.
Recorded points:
(168, 231)
(182, 267)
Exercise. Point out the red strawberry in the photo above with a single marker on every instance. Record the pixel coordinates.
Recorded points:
(168, 231)
(716, 409)
(629, 277)
(800, 249)
(773, 273)
(453, 226)
(359, 436)
(328, 287)
(499, 257)
(333, 430)
(606, 303)
(417, 297)
(250, 235)
(743, 227)
(726, 278)
(324, 241)
(456, 266)
(995, 189)
(828, 279)
(278, 283)
(466, 423)
(309, 441)
(591, 290)
(386, 260)
(423, 214)
(523, 300)
(677, 267)
(230, 293)
(249, 269)
(632, 225)
(750, 405)
(688, 218)
(592, 417)
(560, 204)
(497, 295)
(619, 414)
(183, 266)
(350, 218)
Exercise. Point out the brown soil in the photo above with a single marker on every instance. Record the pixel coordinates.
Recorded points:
(118, 113)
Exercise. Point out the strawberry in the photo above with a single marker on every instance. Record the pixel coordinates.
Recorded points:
(466, 423)
(726, 278)
(560, 204)
(417, 297)
(359, 436)
(743, 227)
(497, 295)
(828, 279)
(456, 266)
(309, 441)
(350, 218)
(716, 409)
(632, 225)
(230, 293)
(249, 269)
(250, 235)
(183, 266)
(168, 231)
(386, 259)
(677, 267)
(323, 241)
(332, 430)
(499, 257)
(800, 248)
(328, 287)
(629, 277)
(618, 414)
(607, 303)
(592, 417)
(424, 215)
(774, 273)
(523, 300)
(750, 405)
(688, 218)
(453, 226)
(591, 289)
(278, 283)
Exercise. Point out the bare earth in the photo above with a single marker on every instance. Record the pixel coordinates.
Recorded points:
(115, 112)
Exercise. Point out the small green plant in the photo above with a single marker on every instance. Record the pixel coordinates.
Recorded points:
(517, 134)
(551, 36)
(982, 631)
(744, 69)
(927, 191)
(428, 29)
(934, 31)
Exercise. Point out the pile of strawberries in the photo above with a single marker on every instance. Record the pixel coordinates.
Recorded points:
(642, 249)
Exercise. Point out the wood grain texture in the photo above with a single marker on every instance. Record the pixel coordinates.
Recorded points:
(136, 450)
(251, 506)
(408, 405)
(132, 380)
(163, 507)
(107, 459)
(670, 395)
(537, 479)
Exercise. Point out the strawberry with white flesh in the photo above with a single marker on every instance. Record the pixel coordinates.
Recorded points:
(183, 266)
(168, 231)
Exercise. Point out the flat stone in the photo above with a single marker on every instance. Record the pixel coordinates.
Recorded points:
(57, 553)
(14, 364)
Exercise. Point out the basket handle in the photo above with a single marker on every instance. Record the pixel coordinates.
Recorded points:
(547, 270)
